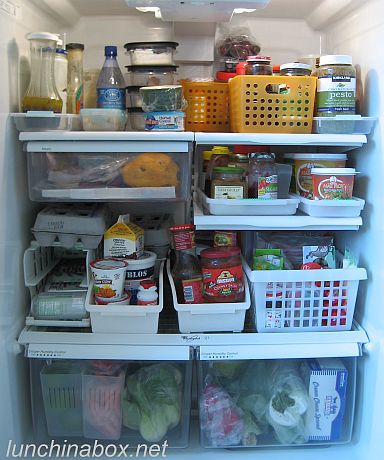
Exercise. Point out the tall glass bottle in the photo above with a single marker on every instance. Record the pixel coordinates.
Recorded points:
(42, 93)
(75, 89)
(111, 84)
(186, 271)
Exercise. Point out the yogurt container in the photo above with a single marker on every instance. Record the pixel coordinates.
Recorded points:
(139, 270)
(304, 162)
(333, 183)
(109, 276)
(125, 300)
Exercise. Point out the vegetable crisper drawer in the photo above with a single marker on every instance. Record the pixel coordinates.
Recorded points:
(275, 403)
(110, 176)
(126, 401)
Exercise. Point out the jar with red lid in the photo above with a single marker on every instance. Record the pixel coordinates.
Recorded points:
(223, 277)
(258, 65)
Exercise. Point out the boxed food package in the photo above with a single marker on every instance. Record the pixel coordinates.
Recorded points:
(326, 380)
(124, 239)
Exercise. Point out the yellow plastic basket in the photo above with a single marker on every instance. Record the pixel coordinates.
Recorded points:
(271, 104)
(207, 109)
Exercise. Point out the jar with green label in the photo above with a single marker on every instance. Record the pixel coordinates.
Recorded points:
(336, 86)
(228, 183)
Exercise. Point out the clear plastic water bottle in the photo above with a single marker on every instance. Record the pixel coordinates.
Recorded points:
(110, 84)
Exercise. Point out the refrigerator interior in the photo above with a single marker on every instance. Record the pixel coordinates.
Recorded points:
(285, 31)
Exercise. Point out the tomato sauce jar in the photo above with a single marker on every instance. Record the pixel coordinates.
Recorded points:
(223, 277)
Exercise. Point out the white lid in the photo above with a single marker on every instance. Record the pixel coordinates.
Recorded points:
(317, 156)
(145, 261)
(334, 171)
(295, 65)
(335, 59)
(42, 36)
(149, 88)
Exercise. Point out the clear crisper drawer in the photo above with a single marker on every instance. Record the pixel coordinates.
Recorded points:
(86, 176)
(126, 401)
(274, 403)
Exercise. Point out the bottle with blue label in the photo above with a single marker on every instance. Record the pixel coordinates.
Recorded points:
(110, 84)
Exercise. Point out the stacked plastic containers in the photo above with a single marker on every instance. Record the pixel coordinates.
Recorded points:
(154, 102)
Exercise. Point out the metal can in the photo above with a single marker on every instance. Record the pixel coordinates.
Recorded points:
(59, 306)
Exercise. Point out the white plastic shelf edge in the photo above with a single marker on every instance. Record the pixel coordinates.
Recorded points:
(106, 136)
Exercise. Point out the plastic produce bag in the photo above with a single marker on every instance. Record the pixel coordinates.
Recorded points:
(237, 43)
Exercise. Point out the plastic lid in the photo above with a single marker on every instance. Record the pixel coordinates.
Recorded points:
(133, 110)
(228, 170)
(154, 68)
(276, 68)
(42, 36)
(318, 156)
(220, 149)
(334, 171)
(147, 285)
(133, 89)
(165, 87)
(336, 59)
(140, 45)
(220, 252)
(259, 59)
(147, 258)
(109, 263)
(295, 65)
(100, 111)
(207, 154)
(74, 46)
(180, 228)
(225, 76)
(61, 51)
(124, 299)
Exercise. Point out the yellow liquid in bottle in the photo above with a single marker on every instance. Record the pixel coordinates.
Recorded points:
(42, 103)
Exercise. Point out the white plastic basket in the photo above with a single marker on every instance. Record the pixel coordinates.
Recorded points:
(125, 319)
(304, 300)
(210, 317)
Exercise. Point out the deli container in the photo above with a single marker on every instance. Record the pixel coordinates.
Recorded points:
(46, 121)
(149, 53)
(136, 118)
(133, 97)
(152, 75)
(343, 124)
(103, 119)
(333, 183)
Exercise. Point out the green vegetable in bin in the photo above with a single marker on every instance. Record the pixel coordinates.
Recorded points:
(162, 98)
(152, 400)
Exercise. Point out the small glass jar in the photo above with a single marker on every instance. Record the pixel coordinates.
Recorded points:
(223, 277)
(219, 157)
(228, 183)
(295, 69)
(262, 176)
(258, 65)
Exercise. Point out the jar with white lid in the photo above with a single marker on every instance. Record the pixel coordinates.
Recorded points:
(295, 69)
(336, 86)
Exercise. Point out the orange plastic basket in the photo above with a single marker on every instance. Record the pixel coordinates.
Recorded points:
(207, 109)
(271, 104)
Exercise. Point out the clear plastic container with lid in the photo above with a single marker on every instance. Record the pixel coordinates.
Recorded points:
(147, 53)
(150, 75)
(258, 65)
(336, 86)
(295, 69)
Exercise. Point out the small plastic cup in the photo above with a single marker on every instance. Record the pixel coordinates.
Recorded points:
(109, 276)
(333, 183)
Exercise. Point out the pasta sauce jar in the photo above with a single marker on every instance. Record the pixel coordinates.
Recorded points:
(223, 278)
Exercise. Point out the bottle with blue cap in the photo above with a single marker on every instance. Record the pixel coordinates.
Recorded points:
(110, 84)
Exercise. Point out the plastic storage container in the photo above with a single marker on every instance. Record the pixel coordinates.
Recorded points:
(136, 118)
(239, 402)
(103, 119)
(87, 176)
(150, 53)
(271, 104)
(152, 75)
(209, 317)
(69, 223)
(134, 99)
(125, 319)
(304, 300)
(207, 106)
(343, 124)
(46, 121)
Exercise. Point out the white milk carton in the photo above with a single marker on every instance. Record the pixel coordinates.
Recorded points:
(124, 239)
(326, 380)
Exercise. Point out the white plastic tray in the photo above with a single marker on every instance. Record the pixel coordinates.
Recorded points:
(31, 321)
(331, 208)
(125, 319)
(249, 207)
(210, 317)
(46, 121)
(112, 193)
(343, 124)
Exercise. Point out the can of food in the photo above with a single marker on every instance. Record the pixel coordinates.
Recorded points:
(59, 306)
(304, 162)
(108, 277)
(333, 183)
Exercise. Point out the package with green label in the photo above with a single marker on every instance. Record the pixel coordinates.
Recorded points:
(268, 259)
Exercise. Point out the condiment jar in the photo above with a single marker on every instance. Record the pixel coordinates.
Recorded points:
(223, 278)
(258, 65)
(295, 69)
(336, 86)
(219, 157)
(262, 176)
(239, 160)
(147, 294)
(228, 183)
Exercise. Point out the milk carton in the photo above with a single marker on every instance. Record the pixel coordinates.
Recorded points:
(124, 239)
(326, 380)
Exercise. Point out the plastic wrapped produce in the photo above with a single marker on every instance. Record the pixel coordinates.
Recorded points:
(237, 44)
(162, 98)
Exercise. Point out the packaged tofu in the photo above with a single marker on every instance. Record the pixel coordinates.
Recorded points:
(124, 239)
(326, 380)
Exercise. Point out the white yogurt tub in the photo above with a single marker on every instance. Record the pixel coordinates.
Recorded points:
(109, 277)
(139, 270)
(147, 53)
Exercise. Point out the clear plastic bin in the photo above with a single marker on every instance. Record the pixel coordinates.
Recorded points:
(46, 121)
(150, 75)
(242, 405)
(103, 119)
(343, 124)
(59, 176)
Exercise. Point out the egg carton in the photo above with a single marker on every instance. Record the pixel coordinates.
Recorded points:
(156, 228)
(69, 224)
